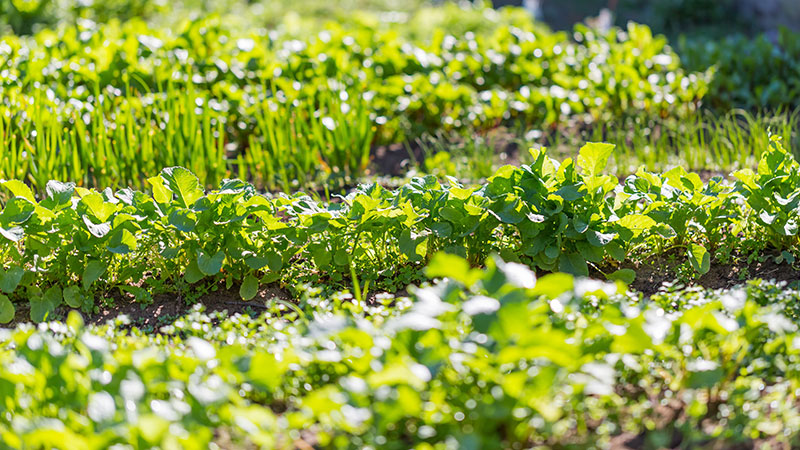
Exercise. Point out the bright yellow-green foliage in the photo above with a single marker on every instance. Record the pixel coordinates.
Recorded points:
(101, 105)
(76, 243)
(493, 358)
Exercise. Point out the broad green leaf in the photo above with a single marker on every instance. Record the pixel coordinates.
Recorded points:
(599, 239)
(593, 157)
(627, 276)
(73, 297)
(39, 309)
(9, 280)
(59, 193)
(445, 265)
(184, 184)
(17, 210)
(256, 262)
(616, 251)
(249, 287)
(573, 263)
(97, 206)
(75, 321)
(193, 273)
(42, 307)
(121, 241)
(20, 189)
(97, 229)
(13, 234)
(442, 229)
(636, 223)
(183, 220)
(53, 296)
(210, 264)
(699, 258)
(322, 256)
(705, 379)
(6, 309)
(341, 257)
(93, 271)
(274, 261)
(553, 285)
(160, 192)
(411, 246)
(169, 252)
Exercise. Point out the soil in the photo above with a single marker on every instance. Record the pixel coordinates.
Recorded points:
(654, 274)
(394, 160)
(165, 308)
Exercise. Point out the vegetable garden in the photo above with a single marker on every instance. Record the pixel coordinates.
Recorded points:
(417, 226)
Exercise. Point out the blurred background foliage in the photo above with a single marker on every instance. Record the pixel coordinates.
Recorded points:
(706, 18)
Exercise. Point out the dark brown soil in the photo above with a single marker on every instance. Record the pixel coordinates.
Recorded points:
(653, 274)
(395, 159)
(166, 307)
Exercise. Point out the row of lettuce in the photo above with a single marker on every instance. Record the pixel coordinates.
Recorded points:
(486, 358)
(76, 244)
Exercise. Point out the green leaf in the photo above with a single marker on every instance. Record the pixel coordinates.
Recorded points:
(169, 252)
(39, 309)
(210, 265)
(249, 287)
(322, 256)
(121, 241)
(599, 239)
(636, 224)
(43, 306)
(274, 261)
(97, 229)
(13, 234)
(58, 193)
(193, 273)
(411, 246)
(553, 285)
(442, 229)
(445, 265)
(341, 257)
(627, 276)
(17, 210)
(10, 279)
(616, 251)
(183, 220)
(95, 205)
(573, 263)
(705, 379)
(160, 192)
(75, 321)
(593, 157)
(93, 271)
(699, 258)
(255, 262)
(73, 296)
(6, 309)
(20, 189)
(53, 296)
(184, 184)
